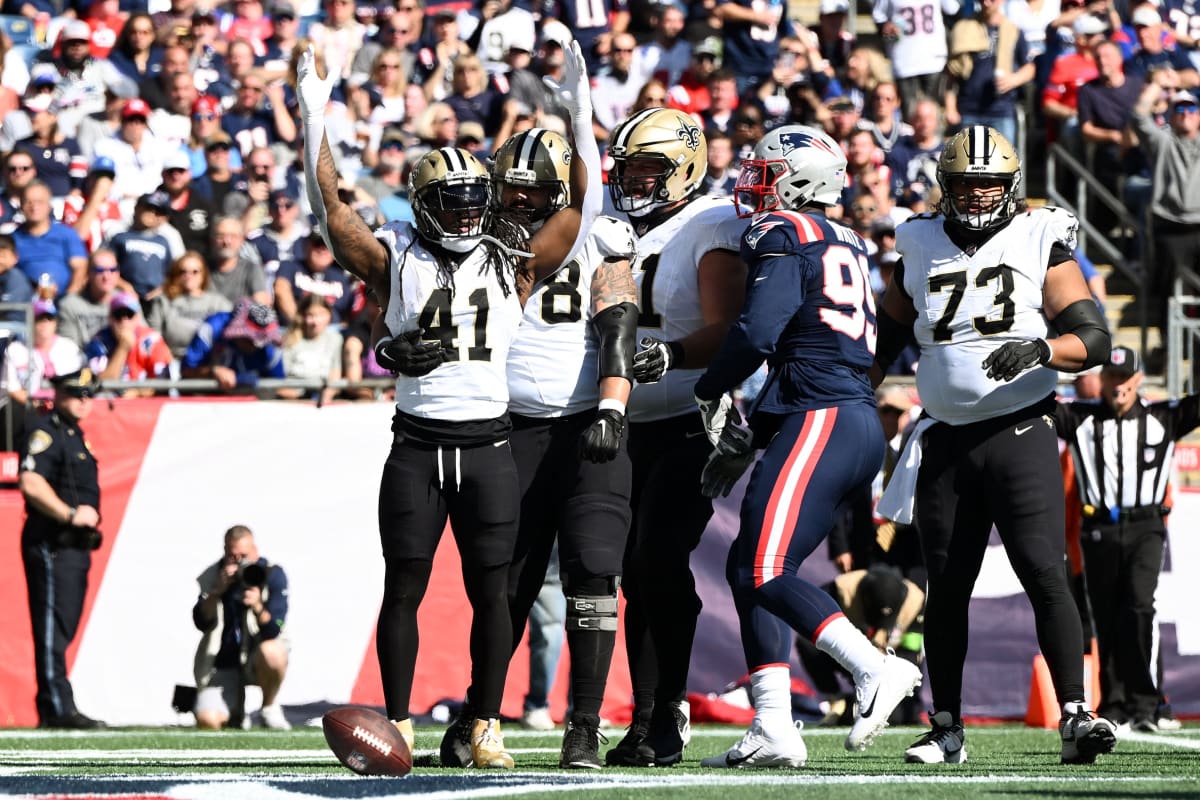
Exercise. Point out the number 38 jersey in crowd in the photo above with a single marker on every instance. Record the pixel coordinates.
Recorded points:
(552, 366)
(667, 277)
(476, 324)
(976, 300)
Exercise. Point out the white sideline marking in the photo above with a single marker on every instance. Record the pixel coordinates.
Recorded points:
(263, 757)
(1171, 739)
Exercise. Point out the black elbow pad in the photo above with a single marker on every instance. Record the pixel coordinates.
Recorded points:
(892, 338)
(617, 328)
(1083, 318)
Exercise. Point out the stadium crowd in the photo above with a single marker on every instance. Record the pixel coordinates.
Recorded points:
(158, 221)
(167, 133)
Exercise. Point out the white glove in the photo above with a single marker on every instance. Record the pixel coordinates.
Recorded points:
(719, 415)
(575, 91)
(726, 465)
(313, 91)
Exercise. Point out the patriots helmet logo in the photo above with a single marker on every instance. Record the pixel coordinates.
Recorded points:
(755, 234)
(794, 140)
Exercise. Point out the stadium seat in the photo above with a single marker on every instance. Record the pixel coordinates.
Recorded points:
(19, 29)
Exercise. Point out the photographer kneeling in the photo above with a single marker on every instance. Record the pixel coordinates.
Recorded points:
(242, 611)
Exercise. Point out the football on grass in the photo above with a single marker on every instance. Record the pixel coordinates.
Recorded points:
(366, 742)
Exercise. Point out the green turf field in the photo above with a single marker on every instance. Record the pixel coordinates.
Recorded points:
(1004, 762)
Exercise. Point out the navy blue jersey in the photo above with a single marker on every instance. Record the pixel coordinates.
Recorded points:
(809, 313)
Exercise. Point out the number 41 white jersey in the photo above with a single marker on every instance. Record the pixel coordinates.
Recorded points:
(475, 324)
(968, 304)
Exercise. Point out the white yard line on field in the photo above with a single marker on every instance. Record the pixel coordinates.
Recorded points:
(468, 787)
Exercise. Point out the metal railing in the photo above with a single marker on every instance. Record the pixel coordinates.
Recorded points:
(1089, 189)
(11, 329)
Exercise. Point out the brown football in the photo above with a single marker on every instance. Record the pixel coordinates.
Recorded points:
(366, 742)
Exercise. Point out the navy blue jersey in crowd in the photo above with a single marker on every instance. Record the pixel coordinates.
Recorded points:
(809, 313)
(61, 167)
(587, 19)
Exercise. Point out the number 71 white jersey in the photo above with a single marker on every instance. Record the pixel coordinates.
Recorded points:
(968, 304)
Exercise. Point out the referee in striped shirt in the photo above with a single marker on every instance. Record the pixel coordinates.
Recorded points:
(1122, 445)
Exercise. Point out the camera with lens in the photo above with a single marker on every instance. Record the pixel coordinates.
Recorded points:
(251, 574)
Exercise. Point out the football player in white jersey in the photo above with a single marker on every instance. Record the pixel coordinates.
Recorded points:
(569, 378)
(998, 304)
(691, 282)
(449, 288)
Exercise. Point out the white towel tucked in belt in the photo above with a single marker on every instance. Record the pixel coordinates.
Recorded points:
(900, 497)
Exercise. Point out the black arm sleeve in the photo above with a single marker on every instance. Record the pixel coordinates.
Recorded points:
(893, 337)
(1083, 318)
(617, 328)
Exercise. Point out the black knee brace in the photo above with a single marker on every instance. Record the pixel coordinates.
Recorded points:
(592, 603)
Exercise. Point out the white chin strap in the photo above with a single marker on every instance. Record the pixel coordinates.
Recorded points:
(463, 244)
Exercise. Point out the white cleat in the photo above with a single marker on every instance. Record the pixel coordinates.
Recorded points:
(760, 749)
(945, 744)
(1085, 736)
(273, 718)
(878, 697)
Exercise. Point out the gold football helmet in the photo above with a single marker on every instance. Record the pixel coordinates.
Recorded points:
(535, 159)
(450, 194)
(660, 158)
(979, 174)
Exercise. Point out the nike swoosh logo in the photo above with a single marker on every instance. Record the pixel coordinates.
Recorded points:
(1026, 429)
(693, 435)
(869, 710)
(731, 761)
(762, 278)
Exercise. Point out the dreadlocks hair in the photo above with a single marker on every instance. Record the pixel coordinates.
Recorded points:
(503, 235)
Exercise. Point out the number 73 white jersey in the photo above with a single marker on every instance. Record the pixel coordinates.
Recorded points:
(968, 304)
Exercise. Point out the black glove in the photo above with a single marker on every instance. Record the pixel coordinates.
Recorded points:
(1012, 358)
(601, 442)
(653, 360)
(409, 354)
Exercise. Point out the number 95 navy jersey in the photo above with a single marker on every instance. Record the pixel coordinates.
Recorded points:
(809, 312)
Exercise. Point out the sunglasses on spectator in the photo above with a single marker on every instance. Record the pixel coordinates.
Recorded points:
(123, 313)
(285, 204)
(204, 117)
(20, 167)
(747, 121)
(622, 49)
(1185, 108)
(102, 270)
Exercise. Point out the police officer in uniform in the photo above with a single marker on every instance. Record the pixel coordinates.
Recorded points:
(62, 500)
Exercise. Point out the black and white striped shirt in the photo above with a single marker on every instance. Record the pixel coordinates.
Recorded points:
(1125, 463)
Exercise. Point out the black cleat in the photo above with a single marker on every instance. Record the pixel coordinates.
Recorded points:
(456, 742)
(670, 732)
(581, 747)
(76, 721)
(633, 750)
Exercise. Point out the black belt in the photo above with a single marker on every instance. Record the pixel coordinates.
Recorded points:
(1137, 514)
